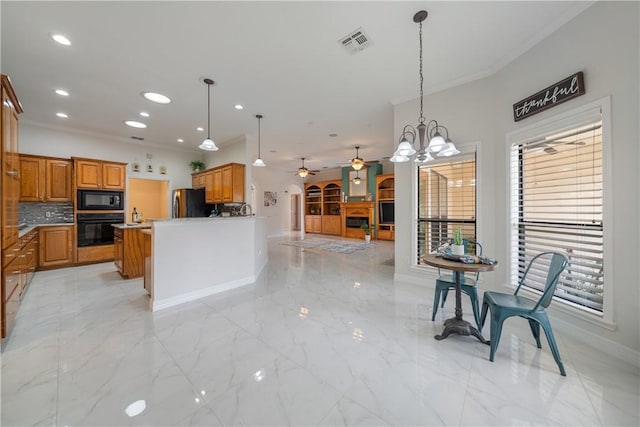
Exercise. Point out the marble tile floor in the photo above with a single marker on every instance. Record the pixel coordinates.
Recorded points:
(321, 339)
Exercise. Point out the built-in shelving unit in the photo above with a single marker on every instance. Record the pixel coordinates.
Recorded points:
(385, 207)
(322, 207)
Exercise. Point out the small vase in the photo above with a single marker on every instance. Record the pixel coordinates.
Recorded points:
(457, 249)
(367, 238)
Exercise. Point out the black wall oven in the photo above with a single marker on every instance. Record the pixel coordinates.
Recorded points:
(95, 229)
(96, 200)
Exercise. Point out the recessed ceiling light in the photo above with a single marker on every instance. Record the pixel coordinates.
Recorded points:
(135, 124)
(61, 39)
(333, 135)
(156, 97)
(180, 140)
(62, 115)
(144, 114)
(199, 129)
(238, 107)
(62, 92)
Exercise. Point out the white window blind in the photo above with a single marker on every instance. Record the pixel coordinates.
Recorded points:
(557, 205)
(446, 201)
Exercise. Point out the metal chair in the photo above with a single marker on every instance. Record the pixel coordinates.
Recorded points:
(504, 306)
(445, 282)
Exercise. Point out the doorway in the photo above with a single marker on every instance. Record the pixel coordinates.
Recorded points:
(295, 212)
(150, 198)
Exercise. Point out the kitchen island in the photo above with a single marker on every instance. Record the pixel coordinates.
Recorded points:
(195, 257)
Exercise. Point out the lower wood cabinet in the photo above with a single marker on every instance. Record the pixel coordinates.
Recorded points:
(331, 224)
(56, 245)
(313, 223)
(129, 251)
(386, 232)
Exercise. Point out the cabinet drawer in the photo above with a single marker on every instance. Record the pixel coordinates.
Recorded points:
(10, 310)
(11, 279)
(95, 253)
(10, 254)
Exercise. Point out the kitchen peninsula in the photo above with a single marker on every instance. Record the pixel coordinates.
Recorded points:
(195, 257)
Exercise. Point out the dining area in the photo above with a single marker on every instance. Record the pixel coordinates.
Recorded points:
(459, 263)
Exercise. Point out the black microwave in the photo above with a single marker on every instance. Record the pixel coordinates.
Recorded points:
(89, 200)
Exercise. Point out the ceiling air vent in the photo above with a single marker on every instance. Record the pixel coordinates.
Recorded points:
(137, 138)
(356, 41)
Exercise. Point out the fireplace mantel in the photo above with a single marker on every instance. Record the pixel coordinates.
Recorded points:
(362, 210)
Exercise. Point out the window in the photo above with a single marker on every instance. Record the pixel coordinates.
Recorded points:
(446, 201)
(557, 205)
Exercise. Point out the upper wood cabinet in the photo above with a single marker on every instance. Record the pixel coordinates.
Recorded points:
(100, 175)
(44, 179)
(225, 184)
(10, 163)
(198, 180)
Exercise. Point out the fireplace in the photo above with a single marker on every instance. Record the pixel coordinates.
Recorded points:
(356, 222)
(354, 214)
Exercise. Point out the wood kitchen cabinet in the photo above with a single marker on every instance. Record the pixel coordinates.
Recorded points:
(225, 184)
(10, 163)
(56, 245)
(44, 179)
(98, 174)
(198, 180)
(128, 243)
(19, 263)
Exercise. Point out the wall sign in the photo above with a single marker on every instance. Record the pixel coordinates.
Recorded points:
(555, 94)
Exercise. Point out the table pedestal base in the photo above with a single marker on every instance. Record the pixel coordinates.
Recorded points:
(460, 327)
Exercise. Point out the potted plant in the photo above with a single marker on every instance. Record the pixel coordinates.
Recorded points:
(457, 248)
(196, 165)
(367, 232)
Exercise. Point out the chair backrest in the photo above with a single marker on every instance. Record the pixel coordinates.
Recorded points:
(554, 263)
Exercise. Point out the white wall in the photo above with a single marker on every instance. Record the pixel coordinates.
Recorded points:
(268, 179)
(603, 43)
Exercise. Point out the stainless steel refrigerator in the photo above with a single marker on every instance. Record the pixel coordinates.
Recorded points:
(188, 203)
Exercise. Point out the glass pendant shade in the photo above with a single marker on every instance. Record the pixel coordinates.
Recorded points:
(397, 158)
(448, 150)
(405, 149)
(356, 180)
(259, 163)
(357, 163)
(208, 145)
(436, 143)
(303, 172)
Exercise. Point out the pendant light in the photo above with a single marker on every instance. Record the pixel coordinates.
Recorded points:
(259, 163)
(357, 179)
(357, 163)
(438, 144)
(208, 144)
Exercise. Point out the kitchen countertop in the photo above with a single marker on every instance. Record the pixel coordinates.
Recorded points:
(23, 231)
(129, 225)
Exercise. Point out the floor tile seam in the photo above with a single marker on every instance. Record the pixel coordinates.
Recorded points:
(194, 389)
(466, 392)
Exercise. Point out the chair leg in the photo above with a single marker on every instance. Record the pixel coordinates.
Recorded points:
(473, 295)
(444, 296)
(552, 344)
(535, 329)
(436, 301)
(483, 316)
(496, 330)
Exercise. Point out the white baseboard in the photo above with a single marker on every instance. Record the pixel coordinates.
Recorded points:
(192, 296)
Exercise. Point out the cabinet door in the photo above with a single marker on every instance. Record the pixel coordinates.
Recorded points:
(227, 184)
(217, 186)
(32, 179)
(118, 253)
(10, 171)
(56, 245)
(88, 174)
(198, 180)
(113, 176)
(208, 187)
(58, 180)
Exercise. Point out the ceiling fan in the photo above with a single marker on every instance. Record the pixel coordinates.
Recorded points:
(302, 172)
(548, 146)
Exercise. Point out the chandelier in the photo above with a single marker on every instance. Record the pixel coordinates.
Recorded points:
(439, 145)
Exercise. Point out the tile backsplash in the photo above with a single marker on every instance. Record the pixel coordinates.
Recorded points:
(45, 213)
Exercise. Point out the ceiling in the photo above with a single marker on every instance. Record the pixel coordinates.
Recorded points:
(278, 59)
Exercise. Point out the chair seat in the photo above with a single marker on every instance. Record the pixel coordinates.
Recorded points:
(450, 278)
(509, 301)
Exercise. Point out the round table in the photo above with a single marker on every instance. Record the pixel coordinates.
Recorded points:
(457, 325)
